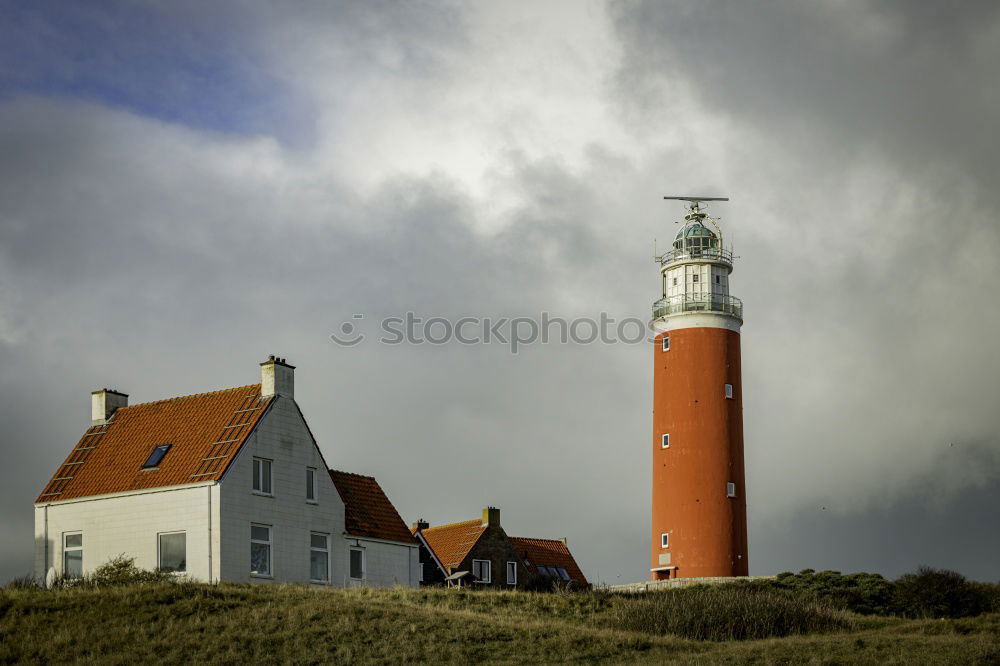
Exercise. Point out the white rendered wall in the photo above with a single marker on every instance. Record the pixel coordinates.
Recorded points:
(386, 563)
(282, 437)
(128, 524)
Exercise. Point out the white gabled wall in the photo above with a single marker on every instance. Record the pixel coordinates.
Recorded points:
(128, 524)
(386, 563)
(282, 437)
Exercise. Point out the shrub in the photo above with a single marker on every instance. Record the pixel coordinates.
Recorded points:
(939, 593)
(728, 612)
(116, 572)
(864, 593)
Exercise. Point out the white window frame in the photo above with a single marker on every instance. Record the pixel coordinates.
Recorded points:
(326, 550)
(511, 568)
(311, 485)
(665, 540)
(72, 549)
(729, 391)
(730, 489)
(270, 550)
(159, 551)
(364, 564)
(665, 441)
(489, 571)
(665, 343)
(257, 472)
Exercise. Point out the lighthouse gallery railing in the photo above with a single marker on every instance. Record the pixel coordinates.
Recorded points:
(698, 303)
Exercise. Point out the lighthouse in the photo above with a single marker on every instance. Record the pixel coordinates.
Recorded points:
(699, 525)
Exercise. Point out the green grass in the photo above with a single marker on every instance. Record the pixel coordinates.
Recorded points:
(292, 624)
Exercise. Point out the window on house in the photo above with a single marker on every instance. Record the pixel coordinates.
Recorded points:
(260, 550)
(512, 573)
(664, 540)
(173, 552)
(730, 489)
(481, 571)
(562, 573)
(666, 441)
(319, 558)
(357, 564)
(73, 554)
(310, 484)
(262, 476)
(153, 461)
(666, 342)
(729, 391)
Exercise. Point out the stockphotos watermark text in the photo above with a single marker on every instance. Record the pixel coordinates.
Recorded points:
(515, 332)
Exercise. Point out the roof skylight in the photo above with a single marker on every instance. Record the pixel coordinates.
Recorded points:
(153, 461)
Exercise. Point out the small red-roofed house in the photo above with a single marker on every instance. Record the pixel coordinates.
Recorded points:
(549, 557)
(221, 486)
(479, 553)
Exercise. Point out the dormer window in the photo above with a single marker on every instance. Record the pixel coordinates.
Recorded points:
(153, 461)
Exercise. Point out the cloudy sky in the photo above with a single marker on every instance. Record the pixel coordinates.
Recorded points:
(185, 189)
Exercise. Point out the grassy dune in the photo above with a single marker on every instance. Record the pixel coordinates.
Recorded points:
(292, 624)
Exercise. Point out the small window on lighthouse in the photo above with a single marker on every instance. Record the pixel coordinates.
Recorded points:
(717, 279)
(666, 342)
(666, 440)
(694, 278)
(729, 391)
(664, 541)
(730, 489)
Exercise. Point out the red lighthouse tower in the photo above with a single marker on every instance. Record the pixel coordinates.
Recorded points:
(699, 526)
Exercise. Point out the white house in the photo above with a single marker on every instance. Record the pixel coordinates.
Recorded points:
(221, 486)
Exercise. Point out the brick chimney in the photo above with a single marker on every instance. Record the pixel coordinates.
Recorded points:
(491, 517)
(277, 378)
(103, 404)
(421, 524)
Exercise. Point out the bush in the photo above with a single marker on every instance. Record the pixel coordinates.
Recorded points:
(116, 572)
(728, 612)
(939, 593)
(864, 593)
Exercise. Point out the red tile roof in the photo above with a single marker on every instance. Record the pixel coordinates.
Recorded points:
(205, 432)
(451, 543)
(548, 552)
(369, 512)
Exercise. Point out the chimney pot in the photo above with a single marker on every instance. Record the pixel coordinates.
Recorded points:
(103, 404)
(421, 524)
(277, 378)
(491, 516)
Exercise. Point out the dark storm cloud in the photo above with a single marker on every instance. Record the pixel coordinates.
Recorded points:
(930, 523)
(912, 78)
